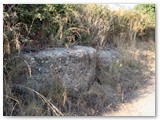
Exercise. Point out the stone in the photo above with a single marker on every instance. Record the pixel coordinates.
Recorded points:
(105, 58)
(74, 67)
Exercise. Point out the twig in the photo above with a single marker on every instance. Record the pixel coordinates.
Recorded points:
(29, 68)
(13, 109)
(123, 96)
(109, 105)
(30, 27)
(53, 108)
(10, 8)
(17, 102)
(11, 98)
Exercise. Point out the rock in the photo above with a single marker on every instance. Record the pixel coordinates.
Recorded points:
(73, 67)
(28, 50)
(72, 76)
(105, 58)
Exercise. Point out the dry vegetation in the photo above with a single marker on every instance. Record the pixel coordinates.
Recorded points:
(43, 26)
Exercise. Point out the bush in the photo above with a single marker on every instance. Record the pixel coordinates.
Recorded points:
(62, 25)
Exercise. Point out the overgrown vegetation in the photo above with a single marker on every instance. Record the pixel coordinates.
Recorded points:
(38, 27)
(43, 26)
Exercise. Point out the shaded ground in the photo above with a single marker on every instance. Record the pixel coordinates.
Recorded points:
(144, 105)
(141, 102)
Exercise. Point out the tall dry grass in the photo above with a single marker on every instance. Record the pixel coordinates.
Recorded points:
(91, 25)
(83, 24)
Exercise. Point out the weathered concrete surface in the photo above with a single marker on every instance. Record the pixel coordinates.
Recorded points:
(74, 67)
(105, 58)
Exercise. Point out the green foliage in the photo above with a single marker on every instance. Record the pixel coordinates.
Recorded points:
(148, 9)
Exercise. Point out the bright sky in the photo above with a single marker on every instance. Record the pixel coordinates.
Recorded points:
(117, 6)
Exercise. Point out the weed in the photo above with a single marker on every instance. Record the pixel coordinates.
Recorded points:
(45, 26)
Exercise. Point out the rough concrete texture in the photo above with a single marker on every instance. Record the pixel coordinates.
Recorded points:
(104, 59)
(74, 67)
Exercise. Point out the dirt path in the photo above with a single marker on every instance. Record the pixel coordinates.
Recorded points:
(143, 105)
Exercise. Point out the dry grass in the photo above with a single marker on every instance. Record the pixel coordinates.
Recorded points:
(20, 100)
(133, 68)
(54, 110)
(24, 101)
(125, 75)
(90, 25)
